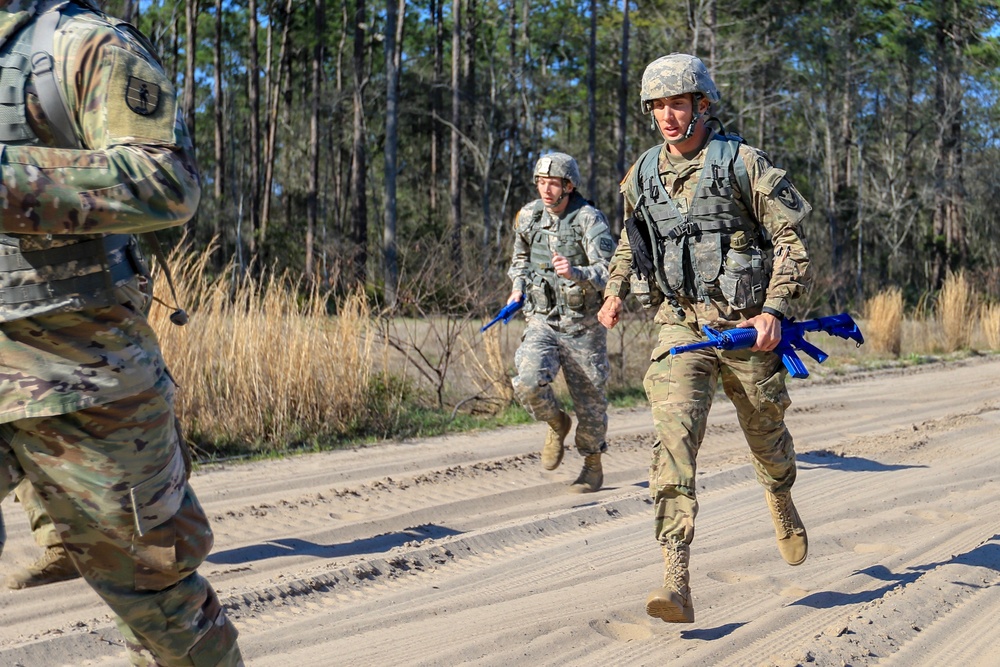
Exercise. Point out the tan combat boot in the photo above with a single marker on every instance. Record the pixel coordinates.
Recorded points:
(591, 477)
(552, 452)
(792, 540)
(672, 603)
(54, 565)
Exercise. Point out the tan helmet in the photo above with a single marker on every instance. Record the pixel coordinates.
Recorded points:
(558, 165)
(676, 74)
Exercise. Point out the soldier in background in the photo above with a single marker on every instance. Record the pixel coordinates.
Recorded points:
(562, 244)
(94, 150)
(712, 237)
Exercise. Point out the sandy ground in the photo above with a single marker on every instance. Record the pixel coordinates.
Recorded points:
(462, 550)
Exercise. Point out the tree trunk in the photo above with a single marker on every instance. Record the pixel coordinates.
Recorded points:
(620, 128)
(312, 195)
(393, 50)
(454, 182)
(437, 103)
(359, 158)
(592, 104)
(253, 92)
(220, 144)
(272, 122)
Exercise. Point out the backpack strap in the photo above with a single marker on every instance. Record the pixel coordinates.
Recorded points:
(50, 95)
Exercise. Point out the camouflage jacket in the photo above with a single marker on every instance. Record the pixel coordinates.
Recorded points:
(134, 174)
(573, 303)
(774, 204)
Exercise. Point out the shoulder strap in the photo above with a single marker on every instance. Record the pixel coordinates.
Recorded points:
(50, 95)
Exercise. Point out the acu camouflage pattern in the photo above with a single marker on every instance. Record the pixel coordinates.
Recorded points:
(583, 357)
(582, 236)
(676, 74)
(564, 337)
(86, 404)
(558, 165)
(680, 388)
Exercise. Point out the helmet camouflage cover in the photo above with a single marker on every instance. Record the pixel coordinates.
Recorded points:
(558, 165)
(676, 74)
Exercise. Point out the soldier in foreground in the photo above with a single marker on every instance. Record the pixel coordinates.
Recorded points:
(93, 152)
(560, 265)
(713, 238)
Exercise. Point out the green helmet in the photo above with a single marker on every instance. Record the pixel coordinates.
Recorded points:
(676, 74)
(558, 165)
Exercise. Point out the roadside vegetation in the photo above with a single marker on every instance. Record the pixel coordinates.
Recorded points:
(269, 366)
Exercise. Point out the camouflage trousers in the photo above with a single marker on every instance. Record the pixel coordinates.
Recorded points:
(680, 390)
(583, 357)
(42, 528)
(112, 478)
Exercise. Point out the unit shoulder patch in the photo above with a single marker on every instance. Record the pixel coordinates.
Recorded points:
(142, 97)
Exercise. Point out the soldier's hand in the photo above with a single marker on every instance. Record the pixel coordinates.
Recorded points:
(768, 331)
(516, 295)
(610, 312)
(562, 266)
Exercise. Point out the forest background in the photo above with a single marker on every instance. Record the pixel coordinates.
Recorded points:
(370, 158)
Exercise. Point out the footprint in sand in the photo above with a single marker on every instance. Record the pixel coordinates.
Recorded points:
(619, 631)
(939, 516)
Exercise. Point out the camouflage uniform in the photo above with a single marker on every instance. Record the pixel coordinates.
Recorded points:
(681, 388)
(86, 403)
(562, 328)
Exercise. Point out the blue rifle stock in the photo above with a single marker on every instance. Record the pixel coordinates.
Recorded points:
(505, 313)
(792, 339)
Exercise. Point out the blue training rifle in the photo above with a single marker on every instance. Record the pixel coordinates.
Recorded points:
(792, 339)
(505, 313)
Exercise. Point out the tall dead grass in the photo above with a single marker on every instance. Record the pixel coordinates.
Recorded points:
(989, 320)
(884, 321)
(955, 312)
(262, 363)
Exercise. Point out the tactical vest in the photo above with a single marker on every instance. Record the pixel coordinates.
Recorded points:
(688, 248)
(549, 293)
(51, 273)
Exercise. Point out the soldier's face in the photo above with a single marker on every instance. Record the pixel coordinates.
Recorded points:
(553, 192)
(673, 115)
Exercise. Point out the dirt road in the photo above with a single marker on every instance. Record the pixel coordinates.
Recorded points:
(462, 550)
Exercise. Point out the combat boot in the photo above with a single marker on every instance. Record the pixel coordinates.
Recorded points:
(591, 477)
(552, 452)
(792, 540)
(54, 565)
(672, 603)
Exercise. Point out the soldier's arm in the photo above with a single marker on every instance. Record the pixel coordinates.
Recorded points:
(599, 246)
(781, 209)
(520, 263)
(136, 172)
(620, 265)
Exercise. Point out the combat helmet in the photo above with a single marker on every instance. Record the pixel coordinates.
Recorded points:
(676, 74)
(558, 165)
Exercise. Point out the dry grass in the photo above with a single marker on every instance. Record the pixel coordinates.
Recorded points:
(989, 320)
(955, 312)
(262, 363)
(884, 327)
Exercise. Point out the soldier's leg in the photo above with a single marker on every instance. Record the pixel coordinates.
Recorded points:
(42, 528)
(10, 475)
(585, 366)
(55, 564)
(755, 382)
(131, 523)
(537, 362)
(680, 391)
